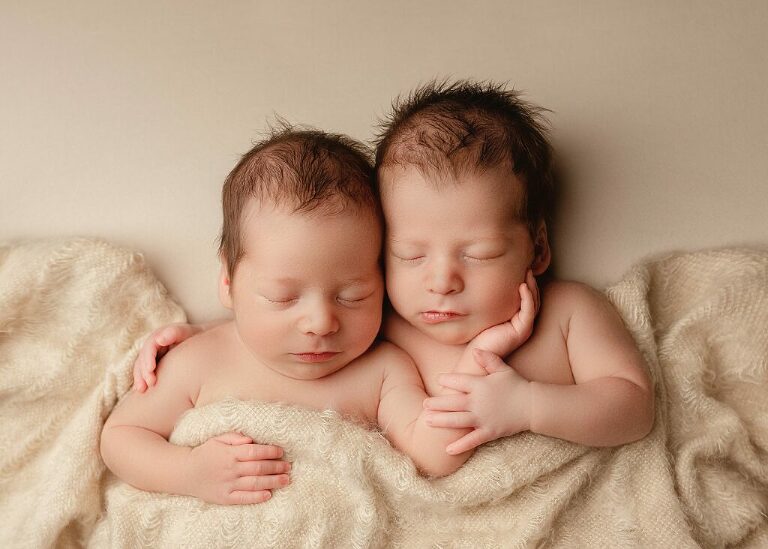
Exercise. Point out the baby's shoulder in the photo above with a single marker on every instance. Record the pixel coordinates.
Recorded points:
(396, 366)
(569, 295)
(384, 353)
(196, 356)
(564, 300)
(384, 359)
(575, 303)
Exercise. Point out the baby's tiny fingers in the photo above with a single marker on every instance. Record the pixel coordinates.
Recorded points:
(240, 497)
(163, 339)
(526, 299)
(261, 482)
(458, 382)
(447, 403)
(454, 420)
(254, 452)
(533, 286)
(150, 379)
(467, 442)
(264, 467)
(147, 360)
(490, 361)
(237, 440)
(138, 382)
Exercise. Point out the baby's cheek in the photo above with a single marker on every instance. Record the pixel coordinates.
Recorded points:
(503, 302)
(398, 286)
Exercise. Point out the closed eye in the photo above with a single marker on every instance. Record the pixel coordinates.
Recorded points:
(354, 299)
(481, 258)
(411, 259)
(281, 301)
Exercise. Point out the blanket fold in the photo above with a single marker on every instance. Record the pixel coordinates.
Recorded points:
(73, 314)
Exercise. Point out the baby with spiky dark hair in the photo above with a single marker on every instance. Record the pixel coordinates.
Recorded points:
(464, 174)
(465, 178)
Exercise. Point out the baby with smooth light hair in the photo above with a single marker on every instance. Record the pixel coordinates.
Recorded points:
(301, 271)
(464, 173)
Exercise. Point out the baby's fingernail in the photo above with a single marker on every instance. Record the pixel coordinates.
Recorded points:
(287, 467)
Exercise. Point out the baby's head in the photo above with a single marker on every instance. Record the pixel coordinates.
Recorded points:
(465, 178)
(300, 250)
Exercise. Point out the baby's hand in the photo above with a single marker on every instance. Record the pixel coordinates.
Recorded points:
(230, 469)
(495, 405)
(504, 338)
(155, 346)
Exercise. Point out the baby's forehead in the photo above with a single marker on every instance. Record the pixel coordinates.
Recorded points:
(316, 212)
(266, 221)
(501, 182)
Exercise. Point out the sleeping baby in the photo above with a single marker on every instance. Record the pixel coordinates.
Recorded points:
(301, 271)
(464, 176)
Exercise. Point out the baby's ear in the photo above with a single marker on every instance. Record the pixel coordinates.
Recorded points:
(541, 252)
(225, 285)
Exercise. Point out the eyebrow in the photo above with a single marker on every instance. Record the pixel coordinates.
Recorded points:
(477, 240)
(283, 280)
(287, 281)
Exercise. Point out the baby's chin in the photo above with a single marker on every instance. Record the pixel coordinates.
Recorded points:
(449, 335)
(307, 372)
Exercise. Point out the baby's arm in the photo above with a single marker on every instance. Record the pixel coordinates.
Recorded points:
(156, 345)
(402, 417)
(227, 469)
(612, 401)
(610, 404)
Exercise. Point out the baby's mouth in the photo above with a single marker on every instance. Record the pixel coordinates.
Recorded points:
(436, 317)
(316, 357)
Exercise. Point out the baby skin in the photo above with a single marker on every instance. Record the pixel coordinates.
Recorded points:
(457, 264)
(306, 300)
(455, 257)
(464, 178)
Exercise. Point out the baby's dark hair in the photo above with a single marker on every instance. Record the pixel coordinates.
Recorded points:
(450, 128)
(302, 169)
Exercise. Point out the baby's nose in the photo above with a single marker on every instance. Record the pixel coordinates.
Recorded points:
(444, 278)
(320, 320)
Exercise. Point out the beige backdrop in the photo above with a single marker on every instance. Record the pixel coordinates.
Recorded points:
(121, 119)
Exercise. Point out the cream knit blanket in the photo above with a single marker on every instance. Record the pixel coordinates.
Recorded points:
(73, 313)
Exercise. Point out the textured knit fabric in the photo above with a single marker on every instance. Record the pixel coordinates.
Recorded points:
(72, 315)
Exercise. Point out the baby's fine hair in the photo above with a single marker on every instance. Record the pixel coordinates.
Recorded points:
(301, 169)
(447, 129)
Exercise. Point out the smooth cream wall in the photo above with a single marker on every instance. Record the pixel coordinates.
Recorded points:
(120, 120)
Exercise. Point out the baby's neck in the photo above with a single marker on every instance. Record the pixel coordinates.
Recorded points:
(431, 356)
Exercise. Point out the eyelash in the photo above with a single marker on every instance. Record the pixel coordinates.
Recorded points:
(341, 299)
(469, 257)
(280, 301)
(409, 259)
(478, 259)
(287, 301)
